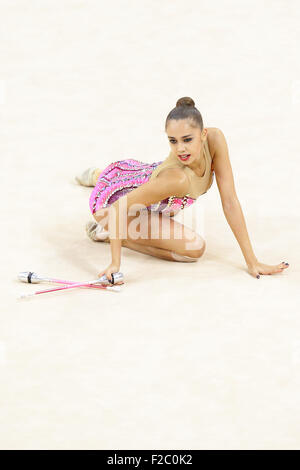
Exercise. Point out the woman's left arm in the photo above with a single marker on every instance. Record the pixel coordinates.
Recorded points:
(232, 208)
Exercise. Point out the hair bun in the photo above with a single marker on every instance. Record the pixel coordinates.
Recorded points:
(185, 101)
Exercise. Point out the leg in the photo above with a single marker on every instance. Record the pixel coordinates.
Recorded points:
(158, 252)
(189, 247)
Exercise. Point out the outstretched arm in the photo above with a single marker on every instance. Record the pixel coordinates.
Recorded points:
(232, 208)
(172, 182)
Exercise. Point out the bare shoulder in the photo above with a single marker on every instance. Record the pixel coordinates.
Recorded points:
(214, 138)
(213, 132)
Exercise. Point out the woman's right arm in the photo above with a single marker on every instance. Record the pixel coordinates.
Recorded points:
(171, 182)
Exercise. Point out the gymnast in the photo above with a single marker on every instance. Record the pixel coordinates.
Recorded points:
(162, 189)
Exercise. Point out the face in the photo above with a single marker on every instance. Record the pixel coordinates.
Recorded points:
(185, 139)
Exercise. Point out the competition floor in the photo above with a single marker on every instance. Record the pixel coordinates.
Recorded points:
(189, 355)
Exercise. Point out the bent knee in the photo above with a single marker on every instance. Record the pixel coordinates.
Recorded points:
(191, 254)
(197, 250)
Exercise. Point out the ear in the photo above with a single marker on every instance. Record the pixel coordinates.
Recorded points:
(204, 134)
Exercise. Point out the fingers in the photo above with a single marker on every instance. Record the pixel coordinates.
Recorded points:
(268, 269)
(277, 268)
(255, 274)
(284, 265)
(108, 275)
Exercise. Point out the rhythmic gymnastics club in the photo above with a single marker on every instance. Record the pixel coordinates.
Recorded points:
(33, 278)
(70, 286)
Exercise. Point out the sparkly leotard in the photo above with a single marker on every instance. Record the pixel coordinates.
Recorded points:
(123, 176)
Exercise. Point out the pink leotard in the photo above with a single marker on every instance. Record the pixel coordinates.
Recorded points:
(122, 176)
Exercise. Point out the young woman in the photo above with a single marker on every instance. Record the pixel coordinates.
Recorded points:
(163, 189)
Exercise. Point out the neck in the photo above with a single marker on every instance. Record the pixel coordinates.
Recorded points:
(197, 166)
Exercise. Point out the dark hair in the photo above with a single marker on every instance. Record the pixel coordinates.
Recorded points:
(185, 109)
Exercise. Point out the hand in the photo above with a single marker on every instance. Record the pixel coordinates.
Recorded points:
(258, 268)
(112, 268)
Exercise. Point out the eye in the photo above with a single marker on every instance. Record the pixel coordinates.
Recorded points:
(185, 140)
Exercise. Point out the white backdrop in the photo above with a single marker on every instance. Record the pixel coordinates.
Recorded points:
(198, 355)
